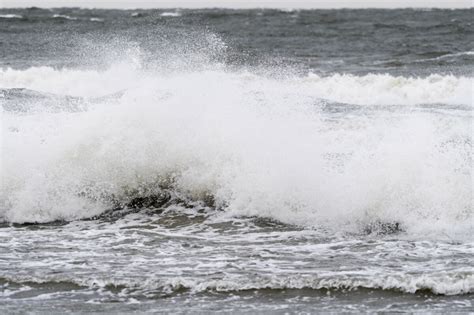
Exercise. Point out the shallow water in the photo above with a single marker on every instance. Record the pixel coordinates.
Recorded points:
(237, 160)
(182, 261)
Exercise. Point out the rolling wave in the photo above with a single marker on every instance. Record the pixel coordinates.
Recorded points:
(11, 16)
(441, 284)
(64, 17)
(371, 89)
(331, 151)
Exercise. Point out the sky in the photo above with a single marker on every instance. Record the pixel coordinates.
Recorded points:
(129, 4)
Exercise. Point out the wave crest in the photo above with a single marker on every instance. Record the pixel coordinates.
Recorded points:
(371, 89)
(442, 285)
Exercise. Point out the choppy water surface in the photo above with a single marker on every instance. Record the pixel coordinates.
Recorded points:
(237, 160)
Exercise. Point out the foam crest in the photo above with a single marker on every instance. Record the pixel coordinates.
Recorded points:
(170, 14)
(86, 83)
(437, 284)
(371, 89)
(254, 145)
(63, 16)
(11, 16)
(384, 89)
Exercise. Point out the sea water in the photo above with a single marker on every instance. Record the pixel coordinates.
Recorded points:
(236, 160)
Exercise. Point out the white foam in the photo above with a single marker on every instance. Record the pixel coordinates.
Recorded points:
(87, 83)
(10, 16)
(446, 56)
(371, 89)
(443, 284)
(259, 145)
(63, 16)
(170, 14)
(384, 89)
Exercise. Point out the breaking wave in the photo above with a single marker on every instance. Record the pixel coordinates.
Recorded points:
(11, 16)
(371, 89)
(332, 151)
(444, 285)
(170, 14)
(64, 17)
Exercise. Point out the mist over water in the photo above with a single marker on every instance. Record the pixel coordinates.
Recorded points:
(258, 168)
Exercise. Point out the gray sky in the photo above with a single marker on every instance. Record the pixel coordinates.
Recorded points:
(240, 4)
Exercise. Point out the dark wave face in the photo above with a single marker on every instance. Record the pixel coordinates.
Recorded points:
(236, 160)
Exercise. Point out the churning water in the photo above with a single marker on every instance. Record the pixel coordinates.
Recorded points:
(239, 160)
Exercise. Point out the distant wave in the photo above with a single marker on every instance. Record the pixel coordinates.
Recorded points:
(463, 53)
(170, 14)
(11, 16)
(446, 56)
(137, 14)
(65, 17)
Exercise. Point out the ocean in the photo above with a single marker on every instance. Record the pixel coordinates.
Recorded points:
(242, 161)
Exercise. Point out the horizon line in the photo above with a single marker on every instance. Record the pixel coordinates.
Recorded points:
(232, 4)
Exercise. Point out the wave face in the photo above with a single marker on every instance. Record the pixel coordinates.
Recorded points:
(337, 151)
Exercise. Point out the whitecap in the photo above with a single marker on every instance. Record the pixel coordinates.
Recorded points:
(451, 55)
(170, 14)
(11, 16)
(62, 16)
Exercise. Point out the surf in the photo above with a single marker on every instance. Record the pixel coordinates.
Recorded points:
(338, 151)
